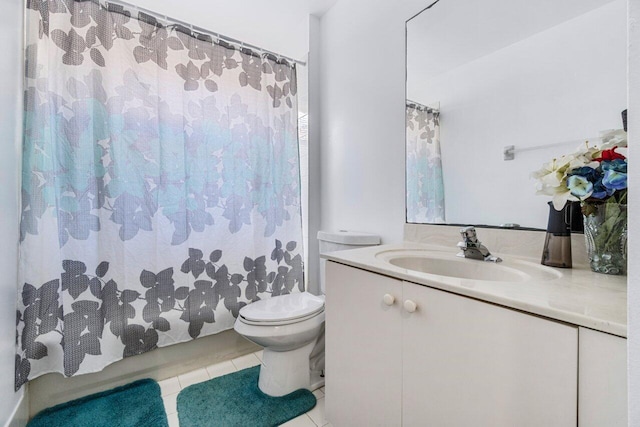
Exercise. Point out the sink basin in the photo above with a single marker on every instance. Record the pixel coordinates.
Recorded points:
(449, 265)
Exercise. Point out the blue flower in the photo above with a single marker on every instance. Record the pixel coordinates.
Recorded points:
(617, 165)
(580, 186)
(600, 191)
(614, 180)
(590, 174)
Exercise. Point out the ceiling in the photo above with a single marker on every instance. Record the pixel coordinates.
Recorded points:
(454, 32)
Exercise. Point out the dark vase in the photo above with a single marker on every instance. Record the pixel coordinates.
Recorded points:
(557, 244)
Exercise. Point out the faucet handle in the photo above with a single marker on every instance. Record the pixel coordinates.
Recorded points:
(469, 235)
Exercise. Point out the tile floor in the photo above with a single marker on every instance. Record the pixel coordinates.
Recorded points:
(172, 386)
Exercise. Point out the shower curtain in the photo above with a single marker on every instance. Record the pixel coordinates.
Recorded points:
(160, 187)
(425, 185)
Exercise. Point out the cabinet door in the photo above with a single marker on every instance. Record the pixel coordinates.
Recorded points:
(602, 398)
(471, 363)
(363, 348)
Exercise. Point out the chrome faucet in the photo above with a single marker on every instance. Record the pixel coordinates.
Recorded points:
(472, 248)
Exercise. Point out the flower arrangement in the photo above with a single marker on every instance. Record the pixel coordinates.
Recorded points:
(592, 174)
(597, 177)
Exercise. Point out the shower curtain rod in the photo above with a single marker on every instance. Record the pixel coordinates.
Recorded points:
(418, 105)
(201, 30)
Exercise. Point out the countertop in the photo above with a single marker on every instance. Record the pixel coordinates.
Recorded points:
(577, 296)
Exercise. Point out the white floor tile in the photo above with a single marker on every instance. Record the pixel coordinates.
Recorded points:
(169, 386)
(301, 421)
(244, 362)
(318, 394)
(193, 377)
(322, 390)
(170, 403)
(173, 420)
(259, 354)
(317, 413)
(220, 369)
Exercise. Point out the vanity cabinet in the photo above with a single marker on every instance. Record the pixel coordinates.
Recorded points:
(602, 381)
(363, 357)
(398, 353)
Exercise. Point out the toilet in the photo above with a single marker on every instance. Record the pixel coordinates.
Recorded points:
(291, 327)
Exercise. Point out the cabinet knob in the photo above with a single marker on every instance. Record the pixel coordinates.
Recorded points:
(388, 299)
(410, 306)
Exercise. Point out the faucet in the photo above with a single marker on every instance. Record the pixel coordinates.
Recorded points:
(472, 248)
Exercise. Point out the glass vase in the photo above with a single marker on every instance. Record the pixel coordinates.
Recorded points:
(605, 232)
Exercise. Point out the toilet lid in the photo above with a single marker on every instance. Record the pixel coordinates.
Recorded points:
(283, 307)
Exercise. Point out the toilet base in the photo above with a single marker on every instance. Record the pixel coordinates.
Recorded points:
(283, 372)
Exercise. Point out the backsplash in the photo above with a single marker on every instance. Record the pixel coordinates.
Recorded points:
(525, 243)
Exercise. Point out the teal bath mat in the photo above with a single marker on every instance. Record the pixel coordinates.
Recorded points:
(138, 404)
(235, 400)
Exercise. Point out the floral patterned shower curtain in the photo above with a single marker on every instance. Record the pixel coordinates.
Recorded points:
(425, 185)
(160, 188)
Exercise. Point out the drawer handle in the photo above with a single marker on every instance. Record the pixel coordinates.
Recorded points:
(388, 299)
(410, 306)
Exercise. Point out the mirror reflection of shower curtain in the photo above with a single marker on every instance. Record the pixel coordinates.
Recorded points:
(425, 186)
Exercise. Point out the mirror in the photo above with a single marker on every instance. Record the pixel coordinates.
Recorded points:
(499, 79)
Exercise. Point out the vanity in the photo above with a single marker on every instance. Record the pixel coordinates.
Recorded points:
(416, 336)
(475, 344)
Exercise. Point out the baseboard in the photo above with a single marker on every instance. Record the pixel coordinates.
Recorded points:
(159, 364)
(20, 415)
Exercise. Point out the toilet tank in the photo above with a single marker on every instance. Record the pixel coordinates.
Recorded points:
(331, 241)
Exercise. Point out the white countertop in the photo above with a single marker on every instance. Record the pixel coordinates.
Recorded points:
(578, 296)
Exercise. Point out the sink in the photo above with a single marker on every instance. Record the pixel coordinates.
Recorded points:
(449, 265)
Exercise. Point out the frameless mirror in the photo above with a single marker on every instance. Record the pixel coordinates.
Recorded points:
(498, 87)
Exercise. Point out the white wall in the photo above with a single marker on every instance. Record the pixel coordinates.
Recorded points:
(362, 116)
(315, 132)
(566, 83)
(10, 141)
(633, 281)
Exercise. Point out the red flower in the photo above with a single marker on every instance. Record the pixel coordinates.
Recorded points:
(609, 155)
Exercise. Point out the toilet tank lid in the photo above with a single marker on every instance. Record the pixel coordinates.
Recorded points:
(349, 237)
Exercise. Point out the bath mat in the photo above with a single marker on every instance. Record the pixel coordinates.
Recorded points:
(138, 404)
(235, 400)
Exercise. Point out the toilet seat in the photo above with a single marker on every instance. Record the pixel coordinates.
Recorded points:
(279, 322)
(282, 309)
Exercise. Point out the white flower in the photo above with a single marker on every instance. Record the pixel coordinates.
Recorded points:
(560, 194)
(552, 180)
(583, 156)
(553, 176)
(614, 138)
(552, 173)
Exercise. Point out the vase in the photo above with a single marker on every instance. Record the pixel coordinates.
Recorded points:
(557, 243)
(605, 232)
